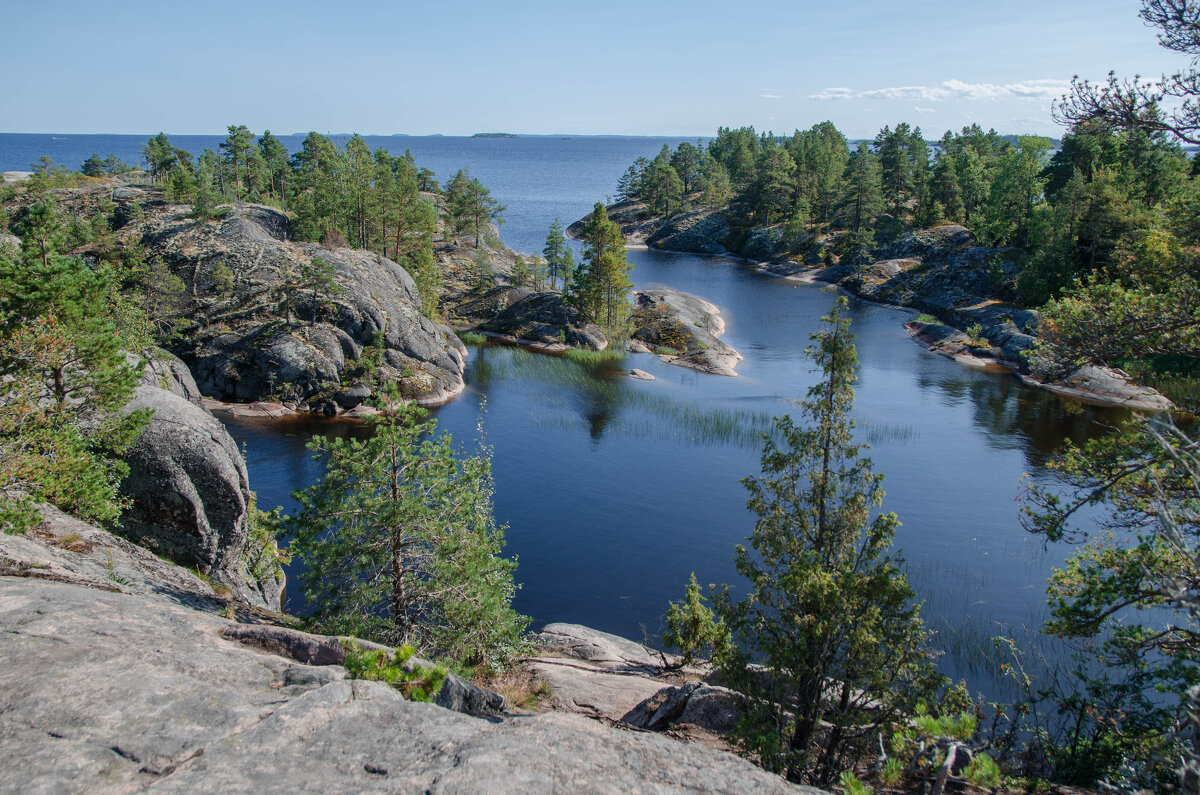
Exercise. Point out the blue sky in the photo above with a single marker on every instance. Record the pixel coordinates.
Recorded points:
(617, 67)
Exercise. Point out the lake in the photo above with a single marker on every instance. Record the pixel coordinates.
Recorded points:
(614, 490)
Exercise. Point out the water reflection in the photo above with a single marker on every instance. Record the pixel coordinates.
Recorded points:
(615, 489)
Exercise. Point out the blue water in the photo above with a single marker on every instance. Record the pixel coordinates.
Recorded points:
(614, 489)
(537, 177)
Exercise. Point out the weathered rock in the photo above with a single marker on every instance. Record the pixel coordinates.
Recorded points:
(64, 549)
(641, 375)
(687, 324)
(713, 709)
(594, 690)
(700, 232)
(599, 648)
(352, 397)
(190, 494)
(456, 694)
(115, 692)
(1104, 385)
(268, 338)
(530, 318)
(167, 371)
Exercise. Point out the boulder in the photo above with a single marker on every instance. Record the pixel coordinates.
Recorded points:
(190, 494)
(714, 709)
(599, 648)
(167, 371)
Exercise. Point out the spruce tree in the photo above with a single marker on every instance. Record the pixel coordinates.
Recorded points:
(827, 611)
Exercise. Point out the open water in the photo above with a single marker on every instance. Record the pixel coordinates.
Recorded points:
(615, 489)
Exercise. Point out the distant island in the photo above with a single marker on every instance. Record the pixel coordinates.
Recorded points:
(495, 135)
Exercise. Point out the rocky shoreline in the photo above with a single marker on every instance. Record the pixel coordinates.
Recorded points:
(941, 271)
(684, 330)
(125, 672)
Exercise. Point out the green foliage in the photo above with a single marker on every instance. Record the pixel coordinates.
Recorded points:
(471, 205)
(851, 785)
(400, 544)
(694, 629)
(560, 262)
(585, 356)
(602, 282)
(1124, 600)
(66, 379)
(827, 611)
(983, 772)
(262, 556)
(416, 682)
(472, 338)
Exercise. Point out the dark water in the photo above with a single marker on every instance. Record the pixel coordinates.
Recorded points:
(614, 489)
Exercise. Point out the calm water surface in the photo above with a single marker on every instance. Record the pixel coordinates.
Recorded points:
(614, 489)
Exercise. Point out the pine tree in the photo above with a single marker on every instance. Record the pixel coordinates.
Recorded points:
(827, 610)
(559, 260)
(601, 284)
(65, 379)
(401, 546)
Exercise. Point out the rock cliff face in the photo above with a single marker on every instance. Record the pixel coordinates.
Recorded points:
(256, 331)
(119, 676)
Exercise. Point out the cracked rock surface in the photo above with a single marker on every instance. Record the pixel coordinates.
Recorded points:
(124, 691)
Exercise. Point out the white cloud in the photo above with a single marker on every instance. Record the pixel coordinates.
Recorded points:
(1040, 90)
(919, 109)
(767, 95)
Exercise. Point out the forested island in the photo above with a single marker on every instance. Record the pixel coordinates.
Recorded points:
(347, 282)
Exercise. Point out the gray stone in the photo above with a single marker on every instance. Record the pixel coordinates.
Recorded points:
(243, 346)
(599, 648)
(538, 318)
(119, 692)
(350, 398)
(687, 324)
(190, 493)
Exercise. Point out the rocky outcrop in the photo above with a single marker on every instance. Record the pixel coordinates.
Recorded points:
(686, 326)
(109, 690)
(609, 677)
(257, 331)
(536, 319)
(190, 495)
(941, 271)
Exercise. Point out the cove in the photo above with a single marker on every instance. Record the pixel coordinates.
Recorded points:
(615, 489)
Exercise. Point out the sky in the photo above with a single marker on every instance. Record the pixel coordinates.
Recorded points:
(457, 67)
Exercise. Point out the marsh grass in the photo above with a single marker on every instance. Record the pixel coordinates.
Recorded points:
(472, 338)
(594, 357)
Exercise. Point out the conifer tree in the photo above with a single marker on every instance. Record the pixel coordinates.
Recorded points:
(65, 380)
(827, 609)
(401, 546)
(602, 282)
(559, 259)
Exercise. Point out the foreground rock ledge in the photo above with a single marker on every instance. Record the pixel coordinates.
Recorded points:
(116, 692)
